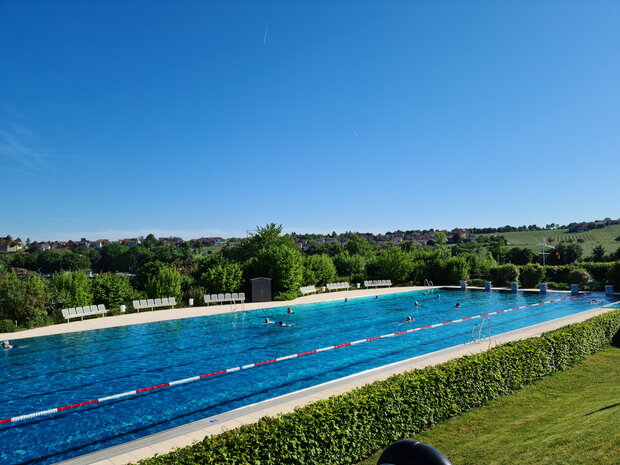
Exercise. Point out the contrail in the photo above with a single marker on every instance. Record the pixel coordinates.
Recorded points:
(354, 131)
(265, 36)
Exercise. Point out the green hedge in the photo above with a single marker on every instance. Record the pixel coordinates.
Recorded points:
(347, 428)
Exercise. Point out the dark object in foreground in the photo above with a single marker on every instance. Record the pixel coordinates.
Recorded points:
(407, 452)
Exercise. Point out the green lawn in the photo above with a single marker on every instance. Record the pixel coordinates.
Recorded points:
(603, 236)
(571, 418)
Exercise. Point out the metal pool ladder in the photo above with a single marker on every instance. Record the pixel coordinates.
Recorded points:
(477, 331)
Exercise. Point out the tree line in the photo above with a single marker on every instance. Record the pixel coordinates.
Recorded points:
(46, 282)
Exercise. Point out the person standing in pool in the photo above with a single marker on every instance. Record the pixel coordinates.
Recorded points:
(6, 345)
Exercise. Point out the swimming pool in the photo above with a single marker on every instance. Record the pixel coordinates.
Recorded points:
(64, 369)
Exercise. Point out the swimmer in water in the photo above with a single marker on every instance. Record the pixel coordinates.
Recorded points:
(594, 301)
(417, 304)
(290, 310)
(425, 294)
(457, 305)
(439, 296)
(282, 323)
(408, 320)
(268, 321)
(376, 297)
(346, 299)
(6, 345)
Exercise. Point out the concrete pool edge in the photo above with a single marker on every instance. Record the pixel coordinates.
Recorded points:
(167, 441)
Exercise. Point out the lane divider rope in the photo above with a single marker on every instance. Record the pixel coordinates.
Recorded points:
(265, 362)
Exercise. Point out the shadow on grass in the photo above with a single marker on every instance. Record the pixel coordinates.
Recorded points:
(617, 404)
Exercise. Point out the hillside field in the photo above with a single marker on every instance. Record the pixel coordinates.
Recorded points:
(604, 236)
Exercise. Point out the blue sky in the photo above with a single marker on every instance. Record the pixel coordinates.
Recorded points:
(197, 118)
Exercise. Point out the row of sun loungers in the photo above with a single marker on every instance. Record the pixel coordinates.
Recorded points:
(337, 286)
(154, 303)
(224, 298)
(307, 290)
(81, 312)
(379, 283)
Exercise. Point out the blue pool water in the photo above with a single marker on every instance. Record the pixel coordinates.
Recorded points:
(47, 372)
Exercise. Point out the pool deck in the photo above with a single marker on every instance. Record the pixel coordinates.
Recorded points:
(166, 441)
(191, 312)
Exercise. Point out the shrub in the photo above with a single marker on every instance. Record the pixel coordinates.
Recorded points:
(504, 274)
(347, 428)
(614, 275)
(578, 276)
(7, 326)
(476, 282)
(531, 275)
(290, 295)
(598, 271)
(558, 286)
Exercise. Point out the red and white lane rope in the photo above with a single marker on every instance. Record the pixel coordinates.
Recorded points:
(265, 362)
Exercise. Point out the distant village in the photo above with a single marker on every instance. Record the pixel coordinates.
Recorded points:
(425, 237)
(10, 244)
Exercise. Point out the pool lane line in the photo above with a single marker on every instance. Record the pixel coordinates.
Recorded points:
(266, 362)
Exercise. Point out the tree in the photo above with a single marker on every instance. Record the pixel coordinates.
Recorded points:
(598, 254)
(353, 266)
(112, 289)
(166, 283)
(565, 254)
(319, 270)
(283, 264)
(520, 255)
(394, 264)
(70, 289)
(440, 237)
(357, 245)
(222, 278)
(24, 300)
(114, 257)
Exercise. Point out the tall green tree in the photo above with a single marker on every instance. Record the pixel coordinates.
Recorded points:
(319, 270)
(392, 263)
(24, 300)
(70, 289)
(282, 263)
(598, 254)
(222, 278)
(166, 283)
(112, 289)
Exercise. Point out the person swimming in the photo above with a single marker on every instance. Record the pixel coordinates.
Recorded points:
(268, 321)
(376, 297)
(6, 345)
(282, 323)
(346, 299)
(595, 301)
(408, 320)
(458, 305)
(290, 310)
(439, 296)
(417, 303)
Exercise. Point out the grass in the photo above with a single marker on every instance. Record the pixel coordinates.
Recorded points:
(603, 236)
(571, 417)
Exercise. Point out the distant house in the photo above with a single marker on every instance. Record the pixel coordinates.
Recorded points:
(83, 244)
(99, 243)
(8, 244)
(42, 246)
(129, 242)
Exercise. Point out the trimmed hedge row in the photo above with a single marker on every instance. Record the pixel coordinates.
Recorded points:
(347, 428)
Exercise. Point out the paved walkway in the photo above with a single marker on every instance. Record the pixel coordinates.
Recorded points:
(185, 435)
